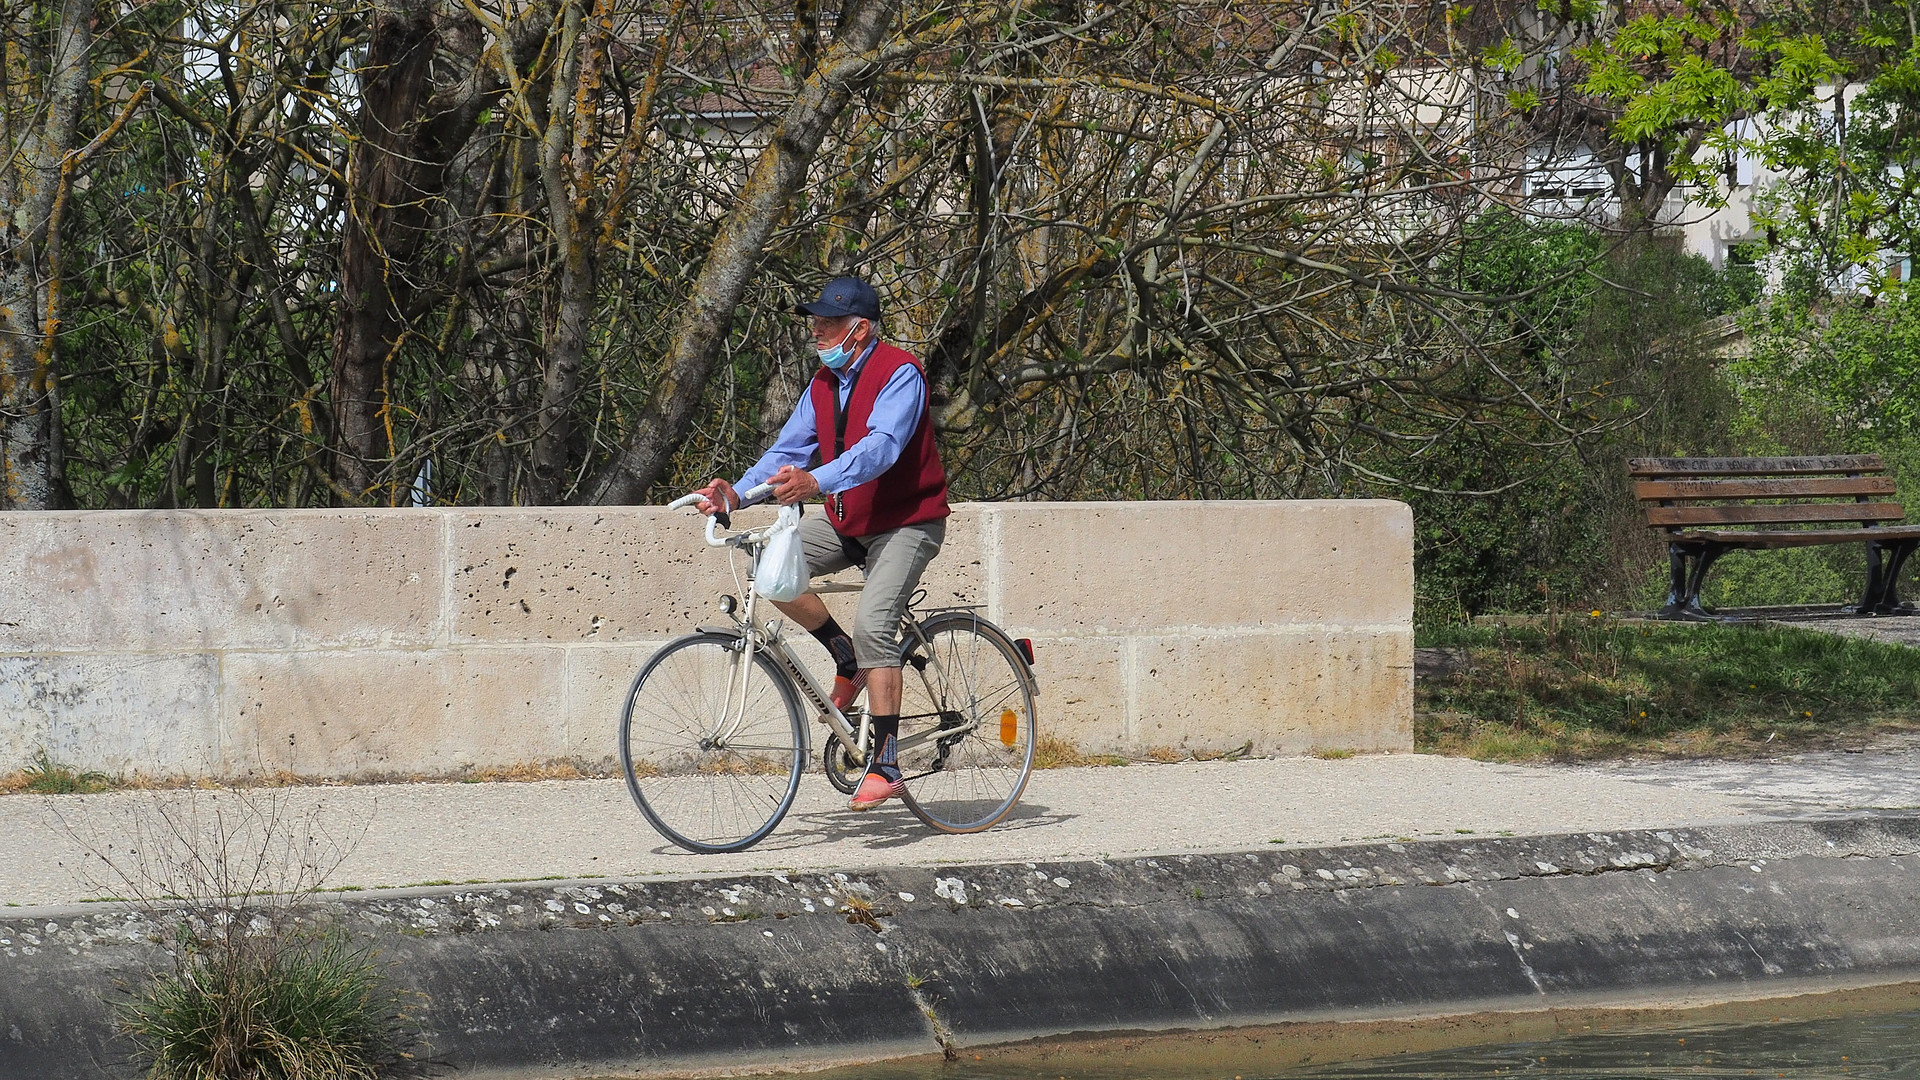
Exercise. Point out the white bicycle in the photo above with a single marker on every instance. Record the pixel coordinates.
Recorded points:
(714, 734)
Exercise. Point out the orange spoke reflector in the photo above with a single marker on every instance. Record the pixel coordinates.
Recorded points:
(1009, 727)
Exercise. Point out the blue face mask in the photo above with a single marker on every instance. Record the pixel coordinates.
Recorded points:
(838, 356)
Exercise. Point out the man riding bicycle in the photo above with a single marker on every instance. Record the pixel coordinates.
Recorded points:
(865, 417)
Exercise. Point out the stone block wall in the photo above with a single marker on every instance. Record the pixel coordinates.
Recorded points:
(352, 644)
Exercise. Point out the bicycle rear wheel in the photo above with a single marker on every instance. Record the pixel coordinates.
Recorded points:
(713, 766)
(965, 677)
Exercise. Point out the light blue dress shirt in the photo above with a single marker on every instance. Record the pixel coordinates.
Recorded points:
(896, 413)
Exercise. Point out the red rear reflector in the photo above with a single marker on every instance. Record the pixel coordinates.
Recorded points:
(1026, 649)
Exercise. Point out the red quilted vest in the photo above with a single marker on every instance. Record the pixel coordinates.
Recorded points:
(914, 489)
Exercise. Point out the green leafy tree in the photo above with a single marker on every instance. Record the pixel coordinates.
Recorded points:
(1844, 375)
(1668, 84)
(1826, 98)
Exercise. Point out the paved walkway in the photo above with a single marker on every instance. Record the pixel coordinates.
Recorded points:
(62, 849)
(1893, 629)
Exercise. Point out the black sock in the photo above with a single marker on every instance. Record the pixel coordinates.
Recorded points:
(839, 646)
(886, 728)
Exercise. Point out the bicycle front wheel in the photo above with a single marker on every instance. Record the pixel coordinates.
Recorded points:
(966, 723)
(713, 743)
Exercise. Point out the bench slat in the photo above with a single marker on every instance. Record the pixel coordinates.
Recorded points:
(1646, 490)
(1788, 466)
(1787, 538)
(1773, 515)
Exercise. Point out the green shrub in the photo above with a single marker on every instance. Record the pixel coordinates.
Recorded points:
(1829, 575)
(1751, 579)
(1554, 524)
(266, 1006)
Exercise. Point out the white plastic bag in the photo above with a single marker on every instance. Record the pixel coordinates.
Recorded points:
(781, 571)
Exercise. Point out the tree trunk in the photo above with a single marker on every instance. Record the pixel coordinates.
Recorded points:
(38, 132)
(566, 170)
(394, 171)
(736, 254)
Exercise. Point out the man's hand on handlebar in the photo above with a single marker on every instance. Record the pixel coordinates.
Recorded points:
(717, 497)
(791, 485)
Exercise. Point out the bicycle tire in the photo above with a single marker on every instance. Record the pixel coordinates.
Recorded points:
(707, 784)
(966, 672)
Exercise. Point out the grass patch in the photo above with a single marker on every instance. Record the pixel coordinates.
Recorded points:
(1234, 754)
(295, 1009)
(1054, 752)
(48, 777)
(259, 987)
(1601, 689)
(532, 772)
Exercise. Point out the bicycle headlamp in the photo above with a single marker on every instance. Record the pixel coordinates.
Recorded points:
(728, 605)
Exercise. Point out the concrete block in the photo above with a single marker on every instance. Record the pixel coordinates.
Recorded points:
(1144, 567)
(1287, 692)
(1083, 691)
(638, 574)
(421, 641)
(957, 577)
(202, 580)
(598, 678)
(585, 575)
(152, 715)
(359, 714)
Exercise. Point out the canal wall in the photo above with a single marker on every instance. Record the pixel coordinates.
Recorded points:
(795, 970)
(357, 644)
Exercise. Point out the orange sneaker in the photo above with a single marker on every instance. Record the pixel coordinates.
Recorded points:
(876, 789)
(845, 689)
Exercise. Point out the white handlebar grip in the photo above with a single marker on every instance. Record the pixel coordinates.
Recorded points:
(685, 500)
(756, 492)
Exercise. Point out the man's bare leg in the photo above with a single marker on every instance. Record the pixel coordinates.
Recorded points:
(807, 609)
(883, 691)
(883, 684)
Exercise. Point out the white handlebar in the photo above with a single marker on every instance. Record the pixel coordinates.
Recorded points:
(758, 491)
(752, 494)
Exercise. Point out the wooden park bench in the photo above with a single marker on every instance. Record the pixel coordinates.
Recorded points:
(1710, 506)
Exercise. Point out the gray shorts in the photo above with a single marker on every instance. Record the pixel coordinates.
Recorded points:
(895, 560)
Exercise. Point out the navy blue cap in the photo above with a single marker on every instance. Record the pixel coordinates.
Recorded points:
(844, 296)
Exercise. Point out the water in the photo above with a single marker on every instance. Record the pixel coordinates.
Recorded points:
(1848, 1046)
(1884, 1047)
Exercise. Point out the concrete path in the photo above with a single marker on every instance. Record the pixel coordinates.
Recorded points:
(1892, 629)
(1883, 776)
(63, 849)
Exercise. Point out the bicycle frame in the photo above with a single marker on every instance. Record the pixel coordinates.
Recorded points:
(771, 640)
